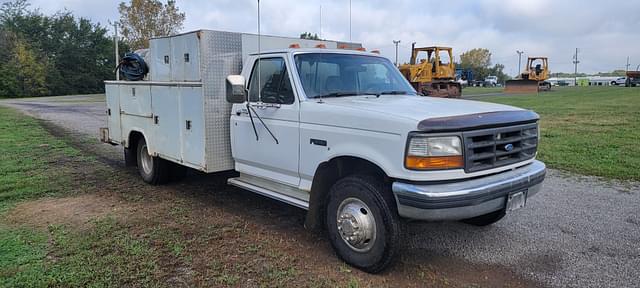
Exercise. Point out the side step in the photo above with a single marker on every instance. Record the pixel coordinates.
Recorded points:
(245, 182)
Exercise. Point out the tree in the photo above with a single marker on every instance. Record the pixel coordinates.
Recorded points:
(72, 55)
(308, 35)
(145, 19)
(498, 70)
(31, 71)
(477, 60)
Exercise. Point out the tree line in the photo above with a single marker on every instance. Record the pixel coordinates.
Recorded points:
(61, 54)
(51, 54)
(478, 60)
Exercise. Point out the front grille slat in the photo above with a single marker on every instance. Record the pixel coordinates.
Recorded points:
(487, 148)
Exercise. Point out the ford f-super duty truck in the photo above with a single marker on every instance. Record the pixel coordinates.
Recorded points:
(337, 132)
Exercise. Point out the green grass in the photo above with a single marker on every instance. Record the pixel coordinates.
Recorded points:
(34, 164)
(31, 160)
(106, 256)
(588, 130)
(468, 91)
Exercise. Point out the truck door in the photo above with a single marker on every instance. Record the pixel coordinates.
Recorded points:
(275, 109)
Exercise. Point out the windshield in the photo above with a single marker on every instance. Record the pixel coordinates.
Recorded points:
(335, 75)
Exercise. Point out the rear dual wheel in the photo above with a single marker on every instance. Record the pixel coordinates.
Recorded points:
(153, 170)
(362, 223)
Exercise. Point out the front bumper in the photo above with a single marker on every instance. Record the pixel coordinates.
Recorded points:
(467, 198)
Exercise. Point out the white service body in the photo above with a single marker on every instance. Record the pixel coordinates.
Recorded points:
(180, 108)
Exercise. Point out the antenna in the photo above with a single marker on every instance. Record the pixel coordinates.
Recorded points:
(320, 21)
(350, 21)
(259, 56)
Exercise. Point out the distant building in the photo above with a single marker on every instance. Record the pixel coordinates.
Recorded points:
(582, 81)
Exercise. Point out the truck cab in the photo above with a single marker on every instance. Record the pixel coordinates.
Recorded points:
(344, 135)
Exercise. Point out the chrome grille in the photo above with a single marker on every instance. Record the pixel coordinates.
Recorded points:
(496, 147)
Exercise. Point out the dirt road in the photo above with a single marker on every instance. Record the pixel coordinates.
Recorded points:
(579, 231)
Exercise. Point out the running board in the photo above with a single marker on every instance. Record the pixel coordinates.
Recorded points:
(241, 182)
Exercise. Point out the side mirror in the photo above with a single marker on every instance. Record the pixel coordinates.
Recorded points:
(236, 91)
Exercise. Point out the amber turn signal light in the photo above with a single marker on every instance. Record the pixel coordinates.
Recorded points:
(433, 162)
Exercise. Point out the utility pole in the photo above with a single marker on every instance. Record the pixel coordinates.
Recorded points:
(115, 41)
(396, 42)
(519, 59)
(575, 62)
(627, 70)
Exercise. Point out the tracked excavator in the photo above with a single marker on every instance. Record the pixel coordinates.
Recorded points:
(434, 75)
(533, 79)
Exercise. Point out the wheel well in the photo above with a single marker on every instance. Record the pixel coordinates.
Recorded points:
(328, 173)
(131, 151)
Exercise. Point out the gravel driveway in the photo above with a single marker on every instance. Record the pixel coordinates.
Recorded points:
(579, 231)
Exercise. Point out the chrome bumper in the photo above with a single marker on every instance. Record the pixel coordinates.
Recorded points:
(467, 198)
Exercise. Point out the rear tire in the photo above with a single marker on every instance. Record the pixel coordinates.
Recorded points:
(486, 219)
(362, 223)
(153, 170)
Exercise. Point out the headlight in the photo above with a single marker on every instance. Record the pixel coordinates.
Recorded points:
(438, 152)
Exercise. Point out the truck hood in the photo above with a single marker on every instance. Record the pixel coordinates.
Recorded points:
(416, 107)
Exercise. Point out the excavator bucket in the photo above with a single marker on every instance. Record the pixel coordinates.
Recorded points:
(521, 86)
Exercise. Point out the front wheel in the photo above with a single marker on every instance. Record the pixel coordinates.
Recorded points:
(362, 223)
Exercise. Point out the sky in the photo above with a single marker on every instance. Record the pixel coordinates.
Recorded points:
(606, 33)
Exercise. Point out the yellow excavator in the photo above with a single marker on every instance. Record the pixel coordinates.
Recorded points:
(431, 76)
(533, 79)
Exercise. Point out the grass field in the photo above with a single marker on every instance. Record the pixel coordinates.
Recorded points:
(35, 164)
(467, 91)
(588, 130)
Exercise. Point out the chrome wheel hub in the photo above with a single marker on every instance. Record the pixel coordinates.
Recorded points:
(356, 224)
(147, 161)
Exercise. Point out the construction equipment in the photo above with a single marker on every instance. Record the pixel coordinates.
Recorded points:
(633, 79)
(431, 76)
(533, 79)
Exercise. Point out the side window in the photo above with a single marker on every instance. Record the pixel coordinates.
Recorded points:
(275, 86)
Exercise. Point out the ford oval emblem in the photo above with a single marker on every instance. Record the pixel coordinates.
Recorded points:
(508, 147)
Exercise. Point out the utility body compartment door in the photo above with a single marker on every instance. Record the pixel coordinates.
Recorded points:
(192, 126)
(135, 100)
(112, 92)
(263, 156)
(166, 126)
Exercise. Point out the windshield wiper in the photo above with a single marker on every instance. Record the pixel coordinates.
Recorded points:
(392, 92)
(338, 94)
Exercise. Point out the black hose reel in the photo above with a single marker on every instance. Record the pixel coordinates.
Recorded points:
(132, 67)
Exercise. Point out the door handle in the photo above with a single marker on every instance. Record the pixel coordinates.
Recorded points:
(241, 111)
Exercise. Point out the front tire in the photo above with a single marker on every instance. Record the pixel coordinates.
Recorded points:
(362, 223)
(153, 170)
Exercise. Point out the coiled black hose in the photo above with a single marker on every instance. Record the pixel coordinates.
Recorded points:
(132, 67)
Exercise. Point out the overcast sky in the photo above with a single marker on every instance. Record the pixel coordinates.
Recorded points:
(605, 31)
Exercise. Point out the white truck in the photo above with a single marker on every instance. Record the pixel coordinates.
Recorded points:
(491, 81)
(337, 132)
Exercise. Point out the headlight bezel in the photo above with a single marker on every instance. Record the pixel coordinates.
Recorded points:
(444, 162)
